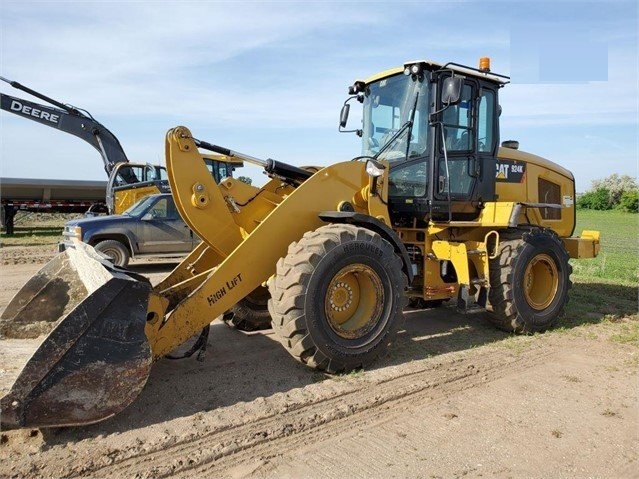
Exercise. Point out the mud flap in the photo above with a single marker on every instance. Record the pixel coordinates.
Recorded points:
(95, 360)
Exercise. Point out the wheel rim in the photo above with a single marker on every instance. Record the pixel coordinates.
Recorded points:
(541, 282)
(354, 301)
(113, 253)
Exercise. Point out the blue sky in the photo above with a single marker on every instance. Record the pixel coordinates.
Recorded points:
(269, 79)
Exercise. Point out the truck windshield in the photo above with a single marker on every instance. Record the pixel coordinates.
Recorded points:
(388, 105)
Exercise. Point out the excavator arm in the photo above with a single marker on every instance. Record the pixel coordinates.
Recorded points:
(68, 119)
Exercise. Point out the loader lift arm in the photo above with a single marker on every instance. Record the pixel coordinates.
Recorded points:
(68, 119)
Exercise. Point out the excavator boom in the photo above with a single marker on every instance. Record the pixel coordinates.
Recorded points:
(67, 119)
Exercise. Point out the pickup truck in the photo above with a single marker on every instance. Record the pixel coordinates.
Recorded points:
(151, 227)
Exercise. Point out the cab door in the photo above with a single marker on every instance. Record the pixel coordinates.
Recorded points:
(464, 168)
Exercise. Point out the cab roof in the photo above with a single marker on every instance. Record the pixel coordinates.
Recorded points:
(433, 66)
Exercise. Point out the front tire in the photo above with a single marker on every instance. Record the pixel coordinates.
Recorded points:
(529, 281)
(337, 297)
(116, 251)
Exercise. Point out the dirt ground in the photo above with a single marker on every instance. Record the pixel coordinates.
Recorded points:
(454, 397)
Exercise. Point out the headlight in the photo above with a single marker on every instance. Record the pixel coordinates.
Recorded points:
(73, 232)
(374, 168)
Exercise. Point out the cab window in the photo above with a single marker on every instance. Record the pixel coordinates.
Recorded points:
(458, 123)
(129, 175)
(409, 180)
(486, 122)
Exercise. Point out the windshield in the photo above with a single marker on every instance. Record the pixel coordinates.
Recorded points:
(139, 208)
(388, 106)
(129, 174)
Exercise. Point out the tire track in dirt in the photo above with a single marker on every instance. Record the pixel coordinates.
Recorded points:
(230, 450)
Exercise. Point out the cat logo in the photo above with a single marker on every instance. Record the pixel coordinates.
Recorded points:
(510, 171)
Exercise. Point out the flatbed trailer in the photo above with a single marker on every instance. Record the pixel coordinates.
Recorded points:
(50, 196)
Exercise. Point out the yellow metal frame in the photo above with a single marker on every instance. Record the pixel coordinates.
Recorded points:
(586, 246)
(247, 261)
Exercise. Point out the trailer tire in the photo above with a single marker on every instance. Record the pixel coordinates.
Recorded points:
(337, 297)
(251, 313)
(529, 281)
(115, 250)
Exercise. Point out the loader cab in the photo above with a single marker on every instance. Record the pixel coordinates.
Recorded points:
(441, 150)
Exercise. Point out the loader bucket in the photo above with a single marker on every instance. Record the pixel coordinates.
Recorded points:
(94, 359)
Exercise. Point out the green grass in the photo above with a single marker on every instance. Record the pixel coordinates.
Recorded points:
(606, 287)
(32, 236)
(618, 260)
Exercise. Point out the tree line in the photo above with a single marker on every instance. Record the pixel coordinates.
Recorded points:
(613, 192)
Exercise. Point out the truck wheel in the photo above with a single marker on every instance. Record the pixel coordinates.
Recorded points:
(337, 297)
(251, 313)
(115, 250)
(529, 281)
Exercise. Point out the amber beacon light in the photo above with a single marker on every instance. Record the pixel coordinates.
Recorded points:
(484, 64)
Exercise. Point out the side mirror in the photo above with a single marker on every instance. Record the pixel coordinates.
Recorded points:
(147, 216)
(451, 90)
(343, 116)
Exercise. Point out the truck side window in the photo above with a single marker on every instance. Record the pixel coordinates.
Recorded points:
(159, 209)
(171, 210)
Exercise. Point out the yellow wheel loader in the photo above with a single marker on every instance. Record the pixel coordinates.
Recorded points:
(434, 209)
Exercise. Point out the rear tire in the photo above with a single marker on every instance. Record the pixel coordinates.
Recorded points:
(529, 281)
(116, 251)
(251, 313)
(337, 298)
